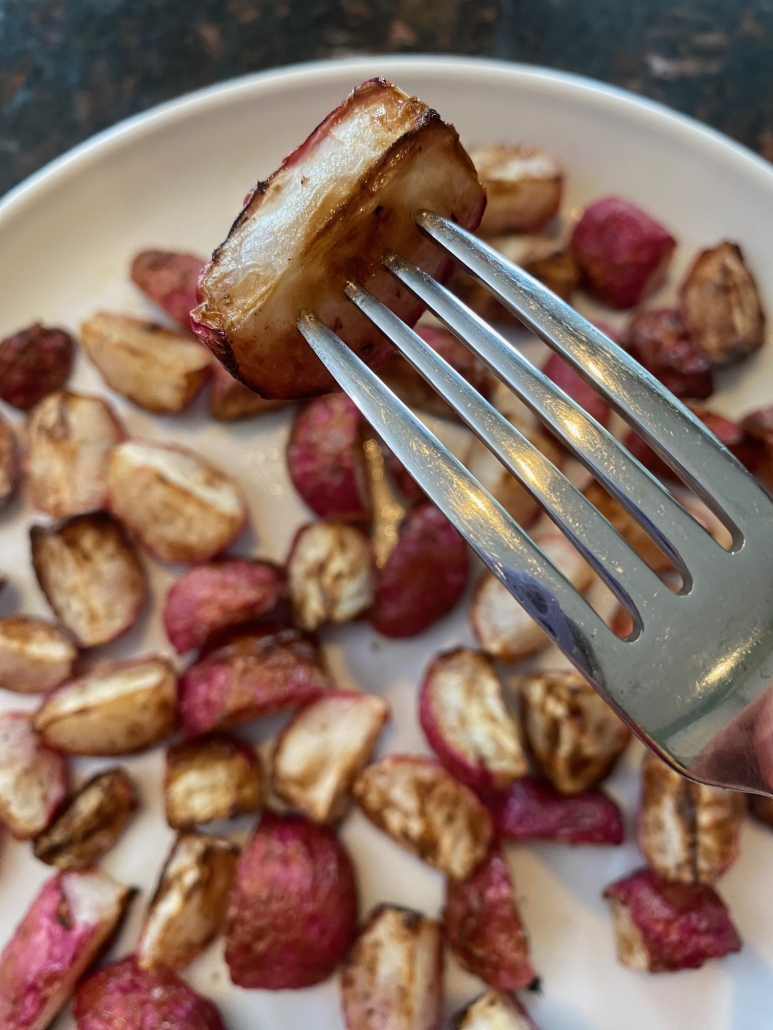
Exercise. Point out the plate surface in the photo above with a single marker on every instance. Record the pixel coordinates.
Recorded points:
(174, 178)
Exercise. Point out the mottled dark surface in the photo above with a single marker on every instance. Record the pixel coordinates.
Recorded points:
(71, 67)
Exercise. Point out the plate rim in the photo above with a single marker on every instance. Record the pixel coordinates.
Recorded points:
(600, 94)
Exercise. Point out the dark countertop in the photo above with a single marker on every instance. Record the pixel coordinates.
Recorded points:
(69, 68)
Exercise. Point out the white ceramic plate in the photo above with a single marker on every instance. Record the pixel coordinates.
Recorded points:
(174, 178)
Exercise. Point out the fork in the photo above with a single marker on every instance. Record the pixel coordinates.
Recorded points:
(694, 680)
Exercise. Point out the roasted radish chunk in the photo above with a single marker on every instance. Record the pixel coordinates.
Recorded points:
(338, 203)
(34, 363)
(65, 929)
(91, 576)
(523, 188)
(572, 732)
(424, 576)
(627, 526)
(33, 778)
(662, 926)
(34, 655)
(761, 807)
(181, 508)
(563, 375)
(90, 823)
(292, 911)
(330, 574)
(158, 369)
(187, 909)
(253, 673)
(9, 463)
(116, 709)
(622, 252)
(421, 806)
(412, 388)
(659, 341)
(230, 400)
(721, 307)
(124, 997)
(532, 809)
(393, 977)
(494, 1010)
(483, 926)
(222, 594)
(687, 831)
(321, 753)
(214, 777)
(69, 439)
(326, 461)
(170, 280)
(504, 629)
(464, 717)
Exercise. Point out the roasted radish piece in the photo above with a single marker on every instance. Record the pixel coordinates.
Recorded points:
(659, 341)
(523, 188)
(627, 526)
(158, 369)
(90, 823)
(421, 806)
(720, 305)
(532, 809)
(501, 484)
(170, 280)
(65, 929)
(33, 778)
(330, 574)
(464, 717)
(662, 926)
(34, 655)
(494, 1010)
(321, 753)
(761, 807)
(181, 508)
(230, 400)
(564, 376)
(483, 926)
(412, 388)
(34, 363)
(91, 576)
(403, 480)
(188, 907)
(622, 252)
(224, 593)
(69, 439)
(503, 628)
(424, 576)
(338, 203)
(572, 732)
(687, 831)
(292, 911)
(326, 461)
(116, 709)
(213, 777)
(9, 463)
(392, 978)
(124, 997)
(253, 673)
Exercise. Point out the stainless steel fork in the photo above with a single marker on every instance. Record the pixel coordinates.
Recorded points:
(695, 679)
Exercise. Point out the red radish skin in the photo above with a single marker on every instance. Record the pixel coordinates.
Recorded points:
(662, 926)
(34, 363)
(483, 926)
(292, 912)
(621, 251)
(222, 594)
(532, 809)
(557, 370)
(124, 997)
(325, 458)
(170, 279)
(424, 576)
(660, 342)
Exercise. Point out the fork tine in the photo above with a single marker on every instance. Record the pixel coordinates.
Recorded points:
(668, 426)
(510, 554)
(601, 545)
(677, 534)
